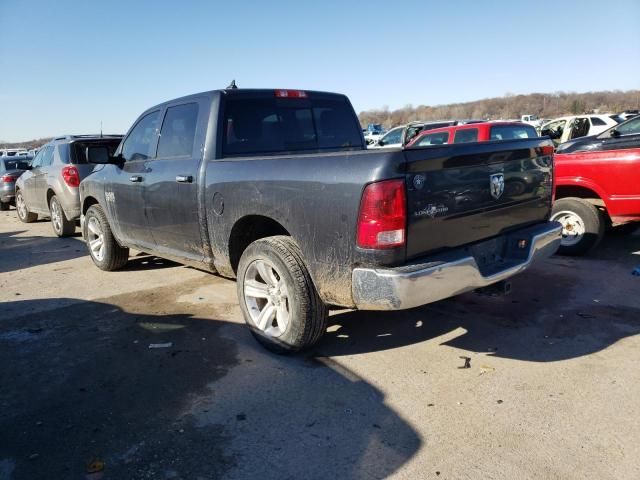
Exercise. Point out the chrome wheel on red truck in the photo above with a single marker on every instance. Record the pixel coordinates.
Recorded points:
(582, 225)
(277, 296)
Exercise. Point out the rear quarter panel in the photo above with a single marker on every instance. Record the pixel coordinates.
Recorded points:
(315, 197)
(613, 174)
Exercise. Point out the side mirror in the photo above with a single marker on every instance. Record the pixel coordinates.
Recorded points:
(380, 143)
(614, 133)
(99, 155)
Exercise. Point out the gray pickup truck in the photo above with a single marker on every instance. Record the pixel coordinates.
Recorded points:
(276, 188)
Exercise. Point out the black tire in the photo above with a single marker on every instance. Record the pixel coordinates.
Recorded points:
(586, 214)
(114, 256)
(63, 227)
(4, 206)
(307, 312)
(25, 216)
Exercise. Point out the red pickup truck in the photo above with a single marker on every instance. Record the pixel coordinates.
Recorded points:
(594, 188)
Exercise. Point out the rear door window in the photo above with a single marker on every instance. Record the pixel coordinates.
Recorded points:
(467, 135)
(139, 142)
(47, 156)
(178, 131)
(263, 126)
(512, 132)
(434, 139)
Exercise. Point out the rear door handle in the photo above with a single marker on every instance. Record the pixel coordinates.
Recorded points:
(184, 179)
(135, 178)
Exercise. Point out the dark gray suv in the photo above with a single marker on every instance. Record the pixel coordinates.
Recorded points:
(50, 187)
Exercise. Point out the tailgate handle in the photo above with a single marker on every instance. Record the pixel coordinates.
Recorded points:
(135, 178)
(184, 179)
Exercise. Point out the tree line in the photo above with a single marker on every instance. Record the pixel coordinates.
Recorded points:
(510, 106)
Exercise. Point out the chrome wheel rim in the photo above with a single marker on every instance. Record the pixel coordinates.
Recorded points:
(56, 216)
(573, 228)
(21, 206)
(266, 297)
(95, 238)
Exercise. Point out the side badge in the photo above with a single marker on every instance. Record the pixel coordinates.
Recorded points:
(418, 181)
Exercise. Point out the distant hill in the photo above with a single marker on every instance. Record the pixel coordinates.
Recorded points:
(36, 143)
(544, 105)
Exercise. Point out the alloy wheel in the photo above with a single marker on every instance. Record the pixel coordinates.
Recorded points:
(267, 298)
(95, 238)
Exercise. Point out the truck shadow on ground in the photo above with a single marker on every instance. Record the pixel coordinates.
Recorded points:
(81, 383)
(20, 251)
(546, 318)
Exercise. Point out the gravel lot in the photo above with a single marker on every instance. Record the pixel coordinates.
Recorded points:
(552, 391)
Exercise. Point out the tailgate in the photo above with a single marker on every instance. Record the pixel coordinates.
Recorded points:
(459, 194)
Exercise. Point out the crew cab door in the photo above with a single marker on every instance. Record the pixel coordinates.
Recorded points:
(172, 180)
(125, 190)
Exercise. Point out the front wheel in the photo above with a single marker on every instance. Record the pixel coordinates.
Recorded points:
(582, 225)
(24, 214)
(277, 297)
(103, 247)
(62, 226)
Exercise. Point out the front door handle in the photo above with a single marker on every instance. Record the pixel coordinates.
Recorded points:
(184, 179)
(135, 178)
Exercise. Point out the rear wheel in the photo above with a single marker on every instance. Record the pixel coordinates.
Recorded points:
(62, 227)
(582, 225)
(103, 247)
(23, 212)
(277, 296)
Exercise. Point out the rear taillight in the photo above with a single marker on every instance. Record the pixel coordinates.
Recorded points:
(8, 178)
(382, 219)
(71, 176)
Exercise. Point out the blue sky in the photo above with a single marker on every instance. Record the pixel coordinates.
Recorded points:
(67, 65)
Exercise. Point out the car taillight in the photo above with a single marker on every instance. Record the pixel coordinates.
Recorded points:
(382, 219)
(8, 178)
(71, 176)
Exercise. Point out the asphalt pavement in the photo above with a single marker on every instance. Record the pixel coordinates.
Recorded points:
(149, 373)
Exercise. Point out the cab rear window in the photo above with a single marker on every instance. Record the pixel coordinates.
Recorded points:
(512, 132)
(270, 126)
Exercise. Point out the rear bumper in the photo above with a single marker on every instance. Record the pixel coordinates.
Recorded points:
(418, 284)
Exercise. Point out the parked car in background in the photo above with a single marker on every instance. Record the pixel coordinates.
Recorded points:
(624, 135)
(10, 169)
(475, 132)
(373, 133)
(564, 129)
(50, 187)
(11, 152)
(597, 187)
(243, 183)
(532, 120)
(400, 136)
